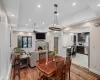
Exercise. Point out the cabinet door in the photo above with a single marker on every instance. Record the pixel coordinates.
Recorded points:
(79, 37)
(80, 49)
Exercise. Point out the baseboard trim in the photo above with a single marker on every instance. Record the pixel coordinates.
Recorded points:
(9, 72)
(94, 71)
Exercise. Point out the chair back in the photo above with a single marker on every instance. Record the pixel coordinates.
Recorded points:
(59, 71)
(66, 68)
(73, 50)
(42, 55)
(67, 64)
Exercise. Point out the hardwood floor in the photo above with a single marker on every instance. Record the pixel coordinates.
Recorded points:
(77, 73)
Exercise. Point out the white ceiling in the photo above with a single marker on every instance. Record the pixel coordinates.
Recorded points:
(80, 30)
(27, 9)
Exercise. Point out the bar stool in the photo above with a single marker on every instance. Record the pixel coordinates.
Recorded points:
(17, 67)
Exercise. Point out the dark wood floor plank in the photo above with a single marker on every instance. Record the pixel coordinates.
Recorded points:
(77, 73)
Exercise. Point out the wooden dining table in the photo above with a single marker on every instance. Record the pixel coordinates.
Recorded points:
(48, 66)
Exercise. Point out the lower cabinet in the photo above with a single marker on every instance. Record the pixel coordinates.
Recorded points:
(80, 49)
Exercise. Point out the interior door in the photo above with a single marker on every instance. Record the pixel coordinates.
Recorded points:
(56, 44)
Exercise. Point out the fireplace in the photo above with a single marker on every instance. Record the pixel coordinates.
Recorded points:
(40, 48)
(41, 45)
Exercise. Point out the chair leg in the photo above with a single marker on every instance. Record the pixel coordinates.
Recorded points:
(44, 77)
(69, 73)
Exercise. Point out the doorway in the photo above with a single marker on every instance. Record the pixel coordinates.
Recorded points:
(81, 38)
(56, 44)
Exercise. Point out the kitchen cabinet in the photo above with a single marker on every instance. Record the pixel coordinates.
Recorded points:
(80, 49)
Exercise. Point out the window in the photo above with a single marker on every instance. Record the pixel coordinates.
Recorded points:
(24, 41)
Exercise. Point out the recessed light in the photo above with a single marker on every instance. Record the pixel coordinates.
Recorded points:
(39, 6)
(74, 4)
(37, 26)
(29, 19)
(57, 14)
(26, 24)
(12, 15)
(43, 23)
(98, 5)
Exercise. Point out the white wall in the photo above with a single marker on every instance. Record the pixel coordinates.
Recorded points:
(66, 40)
(5, 50)
(95, 48)
(15, 40)
(49, 38)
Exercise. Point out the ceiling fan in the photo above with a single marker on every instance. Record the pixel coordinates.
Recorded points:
(34, 31)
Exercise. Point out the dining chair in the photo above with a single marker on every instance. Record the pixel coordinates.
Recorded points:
(59, 72)
(42, 55)
(16, 67)
(66, 68)
(73, 50)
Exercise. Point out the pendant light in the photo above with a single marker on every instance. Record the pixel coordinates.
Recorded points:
(55, 26)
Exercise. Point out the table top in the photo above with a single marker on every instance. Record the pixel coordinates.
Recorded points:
(48, 66)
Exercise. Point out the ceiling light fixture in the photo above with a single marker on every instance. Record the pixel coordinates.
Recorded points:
(29, 19)
(12, 15)
(74, 4)
(43, 23)
(57, 14)
(39, 6)
(35, 28)
(55, 26)
(26, 24)
(98, 5)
